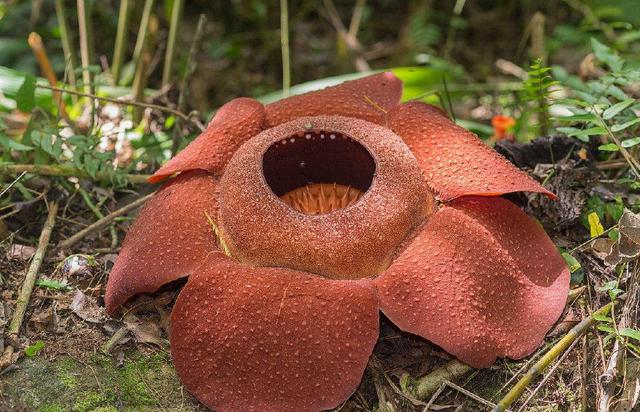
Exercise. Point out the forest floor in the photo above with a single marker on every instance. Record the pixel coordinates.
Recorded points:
(72, 361)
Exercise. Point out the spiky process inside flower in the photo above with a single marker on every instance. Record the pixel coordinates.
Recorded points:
(321, 198)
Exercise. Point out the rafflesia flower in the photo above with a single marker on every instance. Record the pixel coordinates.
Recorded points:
(331, 207)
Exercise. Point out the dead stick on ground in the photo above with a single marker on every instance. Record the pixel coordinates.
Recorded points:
(539, 367)
(30, 279)
(113, 340)
(100, 223)
(429, 384)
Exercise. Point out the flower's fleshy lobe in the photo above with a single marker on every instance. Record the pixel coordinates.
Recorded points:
(454, 161)
(234, 123)
(353, 242)
(367, 98)
(481, 279)
(168, 239)
(267, 339)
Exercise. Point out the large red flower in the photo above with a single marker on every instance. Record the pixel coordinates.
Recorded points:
(332, 206)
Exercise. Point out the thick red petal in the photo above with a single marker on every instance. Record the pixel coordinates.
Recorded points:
(482, 280)
(368, 98)
(264, 339)
(168, 239)
(233, 124)
(454, 161)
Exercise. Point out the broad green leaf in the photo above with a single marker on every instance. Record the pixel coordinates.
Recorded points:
(609, 147)
(585, 117)
(592, 131)
(630, 333)
(595, 226)
(630, 142)
(26, 95)
(32, 350)
(571, 261)
(617, 108)
(606, 328)
(606, 55)
(602, 318)
(622, 126)
(6, 141)
(52, 284)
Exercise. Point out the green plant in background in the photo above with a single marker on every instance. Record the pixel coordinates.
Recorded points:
(537, 90)
(602, 108)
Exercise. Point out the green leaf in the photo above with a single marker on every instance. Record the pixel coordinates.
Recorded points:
(609, 147)
(606, 328)
(8, 142)
(585, 117)
(630, 333)
(617, 108)
(32, 350)
(630, 142)
(612, 284)
(622, 126)
(26, 95)
(606, 55)
(52, 284)
(572, 262)
(602, 318)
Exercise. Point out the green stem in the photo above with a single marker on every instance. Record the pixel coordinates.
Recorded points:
(96, 211)
(546, 360)
(147, 26)
(186, 76)
(284, 41)
(121, 40)
(176, 16)
(84, 26)
(68, 50)
(64, 171)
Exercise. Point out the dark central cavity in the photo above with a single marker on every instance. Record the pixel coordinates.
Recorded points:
(314, 157)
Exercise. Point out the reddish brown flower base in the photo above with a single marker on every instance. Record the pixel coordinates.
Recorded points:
(335, 205)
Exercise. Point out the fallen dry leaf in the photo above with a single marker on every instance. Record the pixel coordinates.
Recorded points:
(20, 252)
(87, 308)
(626, 248)
(144, 330)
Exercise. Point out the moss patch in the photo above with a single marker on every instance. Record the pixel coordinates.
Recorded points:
(143, 383)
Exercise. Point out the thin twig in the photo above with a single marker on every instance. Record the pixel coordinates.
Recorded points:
(29, 283)
(6, 189)
(350, 40)
(126, 103)
(548, 376)
(100, 223)
(469, 394)
(96, 211)
(53, 170)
